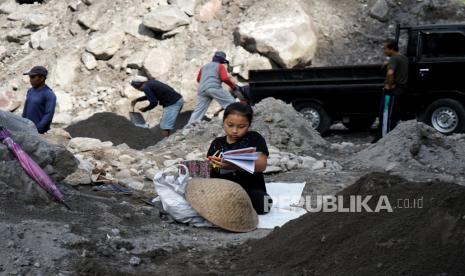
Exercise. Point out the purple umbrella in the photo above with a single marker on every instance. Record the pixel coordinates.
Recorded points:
(31, 167)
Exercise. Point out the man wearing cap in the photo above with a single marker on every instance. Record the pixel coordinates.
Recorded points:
(157, 92)
(210, 79)
(40, 100)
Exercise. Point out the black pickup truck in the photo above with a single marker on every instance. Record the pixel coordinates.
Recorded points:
(351, 94)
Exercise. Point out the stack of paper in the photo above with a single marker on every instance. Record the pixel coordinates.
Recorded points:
(243, 158)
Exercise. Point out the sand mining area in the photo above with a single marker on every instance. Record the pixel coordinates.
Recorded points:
(94, 47)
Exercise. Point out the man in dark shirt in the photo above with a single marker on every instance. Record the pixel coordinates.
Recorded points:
(394, 88)
(156, 93)
(40, 100)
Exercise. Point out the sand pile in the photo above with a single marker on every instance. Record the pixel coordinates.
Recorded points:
(414, 145)
(111, 127)
(272, 119)
(414, 241)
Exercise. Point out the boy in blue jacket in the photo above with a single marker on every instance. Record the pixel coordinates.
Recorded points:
(40, 100)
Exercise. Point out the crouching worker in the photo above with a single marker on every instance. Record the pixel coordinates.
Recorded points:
(158, 92)
(236, 122)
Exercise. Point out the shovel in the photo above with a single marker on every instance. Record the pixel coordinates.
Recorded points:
(137, 119)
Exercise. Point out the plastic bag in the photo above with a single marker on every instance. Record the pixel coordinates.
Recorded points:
(170, 185)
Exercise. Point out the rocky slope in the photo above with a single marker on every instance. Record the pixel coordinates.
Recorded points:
(93, 48)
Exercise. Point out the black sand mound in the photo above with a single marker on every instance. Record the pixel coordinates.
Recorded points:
(420, 241)
(108, 126)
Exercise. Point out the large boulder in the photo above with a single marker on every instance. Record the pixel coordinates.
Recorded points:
(16, 123)
(9, 100)
(36, 22)
(279, 30)
(64, 71)
(57, 162)
(90, 19)
(106, 45)
(136, 60)
(134, 27)
(380, 10)
(8, 7)
(158, 62)
(243, 61)
(40, 40)
(165, 19)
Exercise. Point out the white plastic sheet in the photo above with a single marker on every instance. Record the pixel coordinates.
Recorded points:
(286, 197)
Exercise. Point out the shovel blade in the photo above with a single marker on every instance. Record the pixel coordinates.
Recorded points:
(137, 119)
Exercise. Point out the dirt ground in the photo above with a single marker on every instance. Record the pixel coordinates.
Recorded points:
(408, 241)
(107, 126)
(112, 234)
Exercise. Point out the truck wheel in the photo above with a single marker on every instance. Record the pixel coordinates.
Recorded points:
(358, 123)
(317, 116)
(446, 116)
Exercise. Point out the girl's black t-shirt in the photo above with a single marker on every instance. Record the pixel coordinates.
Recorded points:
(248, 181)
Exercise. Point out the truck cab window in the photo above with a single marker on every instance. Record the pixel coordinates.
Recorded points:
(440, 45)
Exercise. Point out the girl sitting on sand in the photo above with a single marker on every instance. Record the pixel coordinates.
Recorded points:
(236, 122)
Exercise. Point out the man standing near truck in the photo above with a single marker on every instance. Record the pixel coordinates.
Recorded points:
(394, 88)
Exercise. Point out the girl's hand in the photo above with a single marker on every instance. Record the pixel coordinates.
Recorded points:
(216, 161)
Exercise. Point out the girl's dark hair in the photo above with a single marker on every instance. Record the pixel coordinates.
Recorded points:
(240, 109)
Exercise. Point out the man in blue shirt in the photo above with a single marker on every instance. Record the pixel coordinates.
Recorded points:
(156, 92)
(40, 100)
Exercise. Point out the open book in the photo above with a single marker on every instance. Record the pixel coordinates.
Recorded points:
(243, 158)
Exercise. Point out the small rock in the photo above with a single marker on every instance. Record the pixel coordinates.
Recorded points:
(18, 36)
(318, 165)
(187, 6)
(380, 10)
(135, 261)
(291, 165)
(37, 264)
(273, 169)
(105, 46)
(168, 163)
(133, 184)
(3, 52)
(74, 5)
(89, 60)
(79, 177)
(126, 159)
(115, 232)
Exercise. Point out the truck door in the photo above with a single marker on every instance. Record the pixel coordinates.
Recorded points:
(440, 61)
